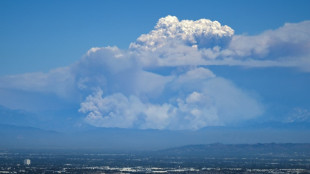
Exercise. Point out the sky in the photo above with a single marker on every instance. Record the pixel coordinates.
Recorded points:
(164, 65)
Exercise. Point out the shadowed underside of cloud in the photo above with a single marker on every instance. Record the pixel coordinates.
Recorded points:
(119, 88)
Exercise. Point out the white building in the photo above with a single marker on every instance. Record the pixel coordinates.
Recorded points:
(27, 162)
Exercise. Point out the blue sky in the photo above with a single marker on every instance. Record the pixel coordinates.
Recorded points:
(88, 62)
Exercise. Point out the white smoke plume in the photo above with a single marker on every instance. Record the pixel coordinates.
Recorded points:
(128, 96)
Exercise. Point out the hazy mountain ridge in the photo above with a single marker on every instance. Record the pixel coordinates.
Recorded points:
(134, 139)
(245, 150)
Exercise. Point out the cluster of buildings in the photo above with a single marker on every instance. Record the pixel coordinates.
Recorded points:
(27, 162)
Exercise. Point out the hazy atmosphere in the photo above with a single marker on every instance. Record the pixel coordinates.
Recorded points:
(153, 74)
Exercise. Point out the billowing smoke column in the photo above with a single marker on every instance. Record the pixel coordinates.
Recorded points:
(128, 95)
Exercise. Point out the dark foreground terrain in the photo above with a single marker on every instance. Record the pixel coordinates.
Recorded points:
(211, 158)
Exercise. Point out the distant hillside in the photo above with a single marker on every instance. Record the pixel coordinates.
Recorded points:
(21, 137)
(240, 150)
